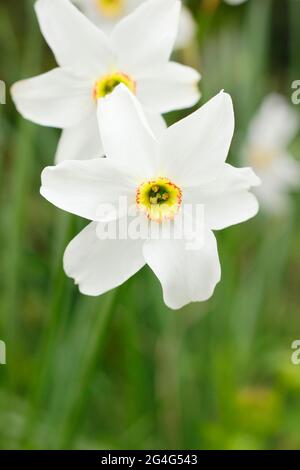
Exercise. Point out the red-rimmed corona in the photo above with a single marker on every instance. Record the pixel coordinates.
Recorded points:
(159, 198)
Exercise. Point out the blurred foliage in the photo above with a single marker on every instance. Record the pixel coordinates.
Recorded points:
(123, 371)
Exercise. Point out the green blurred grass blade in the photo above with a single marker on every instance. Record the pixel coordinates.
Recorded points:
(20, 184)
(76, 351)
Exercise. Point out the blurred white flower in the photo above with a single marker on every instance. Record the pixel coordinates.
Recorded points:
(185, 165)
(106, 13)
(91, 65)
(266, 150)
(234, 2)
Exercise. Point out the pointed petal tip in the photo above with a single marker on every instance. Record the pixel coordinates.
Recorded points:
(44, 175)
(16, 90)
(223, 94)
(250, 177)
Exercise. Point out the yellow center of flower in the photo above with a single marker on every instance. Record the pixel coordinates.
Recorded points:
(110, 8)
(105, 85)
(261, 159)
(160, 199)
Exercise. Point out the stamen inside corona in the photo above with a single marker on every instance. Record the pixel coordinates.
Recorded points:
(110, 8)
(160, 199)
(106, 85)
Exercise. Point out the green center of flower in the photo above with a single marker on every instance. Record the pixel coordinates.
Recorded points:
(110, 8)
(160, 199)
(106, 85)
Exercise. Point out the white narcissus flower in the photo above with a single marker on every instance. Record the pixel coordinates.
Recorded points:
(159, 176)
(91, 65)
(106, 13)
(266, 150)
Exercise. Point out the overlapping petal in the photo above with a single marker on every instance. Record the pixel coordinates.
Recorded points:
(174, 86)
(128, 141)
(156, 123)
(80, 142)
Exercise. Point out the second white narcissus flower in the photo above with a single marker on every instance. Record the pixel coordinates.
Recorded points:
(159, 176)
(106, 13)
(91, 65)
(266, 150)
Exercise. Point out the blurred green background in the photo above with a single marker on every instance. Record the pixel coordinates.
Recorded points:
(123, 371)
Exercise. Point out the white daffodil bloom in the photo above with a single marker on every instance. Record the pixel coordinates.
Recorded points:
(106, 13)
(159, 176)
(266, 150)
(91, 65)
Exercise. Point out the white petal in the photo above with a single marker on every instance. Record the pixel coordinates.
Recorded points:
(84, 188)
(185, 275)
(230, 178)
(127, 139)
(81, 142)
(156, 123)
(273, 200)
(231, 209)
(227, 200)
(277, 181)
(174, 86)
(98, 266)
(186, 30)
(287, 170)
(194, 149)
(274, 125)
(143, 41)
(57, 98)
(74, 40)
